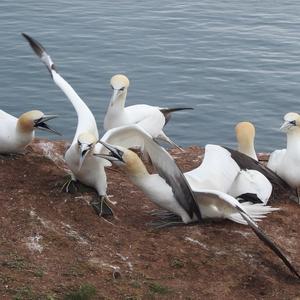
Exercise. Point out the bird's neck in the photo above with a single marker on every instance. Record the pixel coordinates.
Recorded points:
(293, 141)
(137, 169)
(248, 149)
(119, 103)
(24, 134)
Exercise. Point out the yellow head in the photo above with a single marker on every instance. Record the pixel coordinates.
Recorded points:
(245, 133)
(35, 119)
(124, 158)
(27, 121)
(119, 84)
(119, 81)
(85, 143)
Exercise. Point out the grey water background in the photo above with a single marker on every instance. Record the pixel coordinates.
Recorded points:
(230, 60)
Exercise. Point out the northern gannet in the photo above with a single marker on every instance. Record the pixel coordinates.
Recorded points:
(151, 118)
(17, 133)
(234, 173)
(170, 190)
(286, 162)
(245, 134)
(85, 167)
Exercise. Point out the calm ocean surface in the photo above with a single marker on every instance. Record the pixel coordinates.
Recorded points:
(230, 60)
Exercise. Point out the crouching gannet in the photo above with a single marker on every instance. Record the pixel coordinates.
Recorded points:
(286, 162)
(170, 190)
(85, 167)
(17, 133)
(150, 118)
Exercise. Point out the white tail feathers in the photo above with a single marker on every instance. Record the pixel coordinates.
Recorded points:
(255, 211)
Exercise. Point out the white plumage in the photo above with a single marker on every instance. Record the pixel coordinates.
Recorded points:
(17, 133)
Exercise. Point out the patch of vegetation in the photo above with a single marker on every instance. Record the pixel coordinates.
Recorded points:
(157, 288)
(135, 284)
(177, 263)
(15, 262)
(85, 292)
(24, 293)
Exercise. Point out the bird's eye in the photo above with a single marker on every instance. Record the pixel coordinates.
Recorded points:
(79, 143)
(293, 122)
(112, 87)
(122, 88)
(120, 152)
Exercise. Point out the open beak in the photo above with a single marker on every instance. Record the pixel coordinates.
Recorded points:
(84, 150)
(287, 125)
(114, 155)
(42, 125)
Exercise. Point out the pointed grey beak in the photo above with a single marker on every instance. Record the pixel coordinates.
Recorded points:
(114, 97)
(287, 125)
(84, 150)
(114, 155)
(42, 125)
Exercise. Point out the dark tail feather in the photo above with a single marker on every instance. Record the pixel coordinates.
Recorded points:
(263, 237)
(168, 111)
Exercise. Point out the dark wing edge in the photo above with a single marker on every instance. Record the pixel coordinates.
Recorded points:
(175, 178)
(167, 112)
(246, 162)
(41, 52)
(267, 241)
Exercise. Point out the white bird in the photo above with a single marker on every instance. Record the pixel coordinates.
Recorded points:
(170, 190)
(234, 173)
(286, 162)
(85, 167)
(17, 133)
(151, 118)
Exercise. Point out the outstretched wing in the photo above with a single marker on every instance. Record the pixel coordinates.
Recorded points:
(246, 162)
(227, 203)
(127, 136)
(86, 119)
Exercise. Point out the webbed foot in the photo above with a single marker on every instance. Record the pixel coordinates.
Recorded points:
(101, 207)
(69, 186)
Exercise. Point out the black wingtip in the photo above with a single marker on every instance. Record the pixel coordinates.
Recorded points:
(271, 244)
(35, 45)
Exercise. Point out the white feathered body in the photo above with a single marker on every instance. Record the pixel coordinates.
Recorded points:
(150, 118)
(12, 140)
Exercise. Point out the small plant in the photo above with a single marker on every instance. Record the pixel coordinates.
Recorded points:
(177, 263)
(157, 288)
(85, 292)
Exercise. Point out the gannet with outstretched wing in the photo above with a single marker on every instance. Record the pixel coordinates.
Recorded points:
(85, 167)
(17, 133)
(170, 190)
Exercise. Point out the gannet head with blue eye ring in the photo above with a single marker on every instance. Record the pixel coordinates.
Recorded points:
(85, 143)
(119, 83)
(291, 122)
(125, 159)
(35, 119)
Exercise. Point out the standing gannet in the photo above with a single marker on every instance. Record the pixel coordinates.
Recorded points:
(151, 118)
(17, 133)
(286, 162)
(170, 190)
(85, 167)
(245, 134)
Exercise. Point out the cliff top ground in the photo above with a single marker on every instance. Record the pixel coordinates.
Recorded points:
(52, 243)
